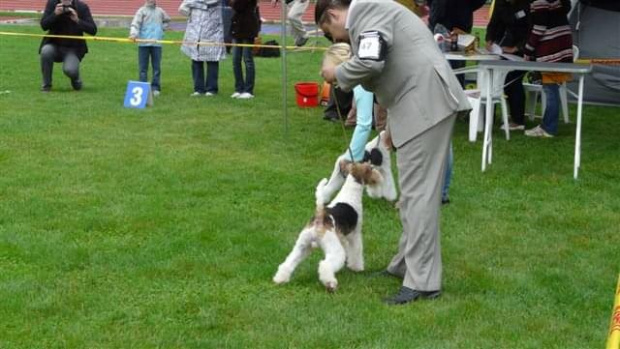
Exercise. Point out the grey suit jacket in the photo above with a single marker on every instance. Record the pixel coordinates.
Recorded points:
(414, 81)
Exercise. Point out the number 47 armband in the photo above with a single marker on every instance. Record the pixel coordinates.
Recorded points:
(372, 46)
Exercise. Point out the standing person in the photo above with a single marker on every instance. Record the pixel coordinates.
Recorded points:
(296, 10)
(244, 28)
(65, 17)
(508, 28)
(396, 57)
(149, 23)
(204, 42)
(457, 16)
(550, 40)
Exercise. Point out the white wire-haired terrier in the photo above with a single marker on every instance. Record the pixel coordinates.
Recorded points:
(377, 152)
(337, 229)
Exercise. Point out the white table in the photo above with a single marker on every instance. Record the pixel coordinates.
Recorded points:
(461, 56)
(494, 66)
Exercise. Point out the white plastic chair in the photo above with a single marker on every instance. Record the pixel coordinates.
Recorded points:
(477, 99)
(532, 91)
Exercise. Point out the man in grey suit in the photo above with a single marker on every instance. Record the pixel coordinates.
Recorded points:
(396, 57)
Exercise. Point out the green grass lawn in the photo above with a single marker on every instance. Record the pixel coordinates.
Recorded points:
(163, 227)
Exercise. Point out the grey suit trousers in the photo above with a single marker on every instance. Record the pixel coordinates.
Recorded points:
(421, 163)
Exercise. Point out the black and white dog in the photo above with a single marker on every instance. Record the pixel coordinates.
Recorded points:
(337, 229)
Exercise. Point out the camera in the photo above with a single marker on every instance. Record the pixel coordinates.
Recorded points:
(65, 5)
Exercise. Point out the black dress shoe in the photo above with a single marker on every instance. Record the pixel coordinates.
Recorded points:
(407, 295)
(46, 88)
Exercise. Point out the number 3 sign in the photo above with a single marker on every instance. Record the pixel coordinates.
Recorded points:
(138, 95)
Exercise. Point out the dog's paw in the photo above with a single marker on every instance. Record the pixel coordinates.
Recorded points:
(282, 276)
(331, 286)
(281, 279)
(356, 267)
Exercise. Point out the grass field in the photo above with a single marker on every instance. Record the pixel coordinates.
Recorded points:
(162, 228)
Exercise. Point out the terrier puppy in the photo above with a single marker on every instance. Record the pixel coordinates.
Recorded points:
(378, 154)
(337, 229)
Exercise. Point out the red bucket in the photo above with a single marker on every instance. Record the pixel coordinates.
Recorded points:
(307, 94)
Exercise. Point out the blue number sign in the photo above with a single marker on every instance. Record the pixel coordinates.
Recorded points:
(138, 95)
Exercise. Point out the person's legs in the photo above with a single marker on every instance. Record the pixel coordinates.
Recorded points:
(457, 65)
(516, 96)
(212, 76)
(198, 74)
(339, 104)
(296, 10)
(552, 110)
(143, 63)
(237, 70)
(71, 68)
(421, 166)
(250, 72)
(48, 55)
(156, 53)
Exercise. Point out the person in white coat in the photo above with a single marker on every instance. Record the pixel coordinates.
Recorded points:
(204, 42)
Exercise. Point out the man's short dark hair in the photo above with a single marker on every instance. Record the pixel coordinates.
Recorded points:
(320, 10)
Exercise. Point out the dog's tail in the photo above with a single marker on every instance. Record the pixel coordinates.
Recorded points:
(321, 220)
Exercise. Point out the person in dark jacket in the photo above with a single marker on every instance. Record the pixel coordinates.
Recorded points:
(71, 18)
(509, 27)
(244, 28)
(456, 16)
(453, 14)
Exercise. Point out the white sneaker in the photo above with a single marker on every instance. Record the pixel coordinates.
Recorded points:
(196, 94)
(209, 94)
(235, 95)
(245, 95)
(156, 93)
(538, 132)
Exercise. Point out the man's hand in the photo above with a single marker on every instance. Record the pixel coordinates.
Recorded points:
(489, 45)
(509, 49)
(58, 10)
(328, 72)
(73, 15)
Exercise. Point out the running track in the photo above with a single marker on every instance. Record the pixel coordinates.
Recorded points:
(129, 7)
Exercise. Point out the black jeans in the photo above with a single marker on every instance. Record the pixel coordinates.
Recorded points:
(154, 53)
(238, 52)
(198, 73)
(515, 96)
(50, 53)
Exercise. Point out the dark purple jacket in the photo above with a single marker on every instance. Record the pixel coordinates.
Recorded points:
(453, 13)
(63, 25)
(245, 19)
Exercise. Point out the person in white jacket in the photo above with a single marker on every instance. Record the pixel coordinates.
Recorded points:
(149, 23)
(204, 42)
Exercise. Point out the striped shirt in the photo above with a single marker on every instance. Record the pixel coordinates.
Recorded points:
(550, 39)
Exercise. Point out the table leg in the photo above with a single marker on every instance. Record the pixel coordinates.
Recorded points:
(578, 131)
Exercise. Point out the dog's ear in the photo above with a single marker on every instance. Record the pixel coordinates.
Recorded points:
(376, 158)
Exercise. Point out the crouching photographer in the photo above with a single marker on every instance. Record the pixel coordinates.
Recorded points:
(69, 18)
